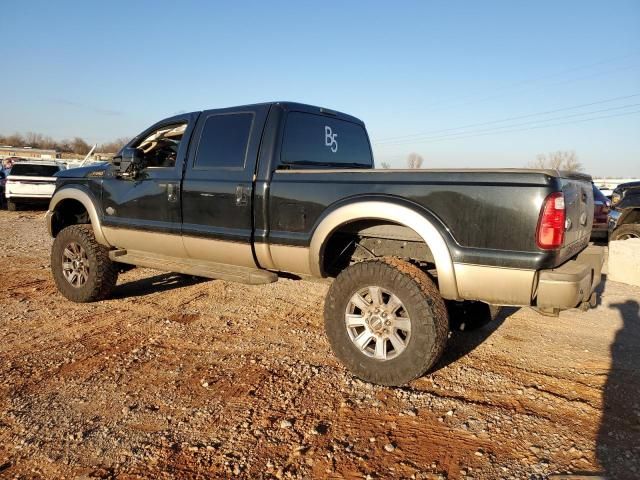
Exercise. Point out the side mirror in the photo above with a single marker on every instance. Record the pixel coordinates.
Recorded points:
(130, 162)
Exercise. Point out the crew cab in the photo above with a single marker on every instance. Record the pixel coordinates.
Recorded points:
(247, 193)
(31, 182)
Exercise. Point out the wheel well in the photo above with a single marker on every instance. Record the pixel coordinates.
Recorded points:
(633, 216)
(364, 239)
(68, 212)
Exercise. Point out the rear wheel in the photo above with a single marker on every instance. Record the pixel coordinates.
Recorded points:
(625, 232)
(386, 321)
(12, 206)
(82, 269)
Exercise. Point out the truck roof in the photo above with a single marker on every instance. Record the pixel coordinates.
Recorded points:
(301, 107)
(623, 186)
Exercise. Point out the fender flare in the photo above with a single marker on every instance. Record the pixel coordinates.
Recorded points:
(86, 199)
(393, 212)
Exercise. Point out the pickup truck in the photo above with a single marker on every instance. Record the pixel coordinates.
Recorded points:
(247, 193)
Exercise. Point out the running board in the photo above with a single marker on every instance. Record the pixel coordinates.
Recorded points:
(199, 268)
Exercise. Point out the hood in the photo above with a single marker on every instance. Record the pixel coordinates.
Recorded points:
(93, 170)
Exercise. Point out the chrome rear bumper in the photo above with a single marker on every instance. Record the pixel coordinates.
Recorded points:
(573, 282)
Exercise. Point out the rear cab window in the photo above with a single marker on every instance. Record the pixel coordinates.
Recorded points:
(319, 141)
(224, 141)
(32, 170)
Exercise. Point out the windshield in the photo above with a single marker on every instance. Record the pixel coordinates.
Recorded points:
(34, 170)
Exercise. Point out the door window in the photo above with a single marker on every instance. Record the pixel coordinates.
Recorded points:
(224, 139)
(161, 146)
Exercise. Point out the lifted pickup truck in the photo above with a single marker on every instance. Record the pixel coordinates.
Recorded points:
(245, 193)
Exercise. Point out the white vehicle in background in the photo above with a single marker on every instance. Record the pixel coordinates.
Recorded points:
(31, 182)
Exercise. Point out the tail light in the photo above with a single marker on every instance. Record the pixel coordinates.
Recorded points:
(550, 232)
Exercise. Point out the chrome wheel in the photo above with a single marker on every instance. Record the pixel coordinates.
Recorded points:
(627, 236)
(378, 323)
(75, 264)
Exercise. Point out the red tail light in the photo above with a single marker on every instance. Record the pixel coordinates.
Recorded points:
(550, 233)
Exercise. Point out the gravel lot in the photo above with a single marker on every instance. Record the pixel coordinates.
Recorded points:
(177, 377)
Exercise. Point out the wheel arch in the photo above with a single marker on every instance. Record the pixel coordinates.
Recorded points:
(629, 215)
(391, 209)
(64, 199)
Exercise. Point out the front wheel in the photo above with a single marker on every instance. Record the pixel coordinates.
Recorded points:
(386, 321)
(82, 269)
(12, 206)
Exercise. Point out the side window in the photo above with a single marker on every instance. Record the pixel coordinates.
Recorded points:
(161, 146)
(224, 139)
(311, 139)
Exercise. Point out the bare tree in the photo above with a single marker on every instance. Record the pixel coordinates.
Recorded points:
(414, 160)
(80, 146)
(560, 160)
(385, 165)
(113, 146)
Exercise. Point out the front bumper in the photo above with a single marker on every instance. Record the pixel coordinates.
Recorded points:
(573, 282)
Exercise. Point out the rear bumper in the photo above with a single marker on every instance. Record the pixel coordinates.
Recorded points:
(571, 283)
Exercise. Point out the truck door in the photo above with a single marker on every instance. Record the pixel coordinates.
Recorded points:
(144, 213)
(217, 190)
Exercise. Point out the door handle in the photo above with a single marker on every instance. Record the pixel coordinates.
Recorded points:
(242, 195)
(172, 192)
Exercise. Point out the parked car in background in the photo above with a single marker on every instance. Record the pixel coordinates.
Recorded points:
(624, 217)
(601, 206)
(3, 181)
(31, 182)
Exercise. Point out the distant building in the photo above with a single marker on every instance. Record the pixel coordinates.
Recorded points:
(72, 159)
(604, 183)
(28, 153)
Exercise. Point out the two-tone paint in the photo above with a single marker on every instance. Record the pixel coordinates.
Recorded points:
(279, 217)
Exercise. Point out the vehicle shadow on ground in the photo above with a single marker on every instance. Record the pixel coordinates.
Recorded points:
(477, 331)
(618, 440)
(157, 283)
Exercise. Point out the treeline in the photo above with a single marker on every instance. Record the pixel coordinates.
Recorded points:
(75, 145)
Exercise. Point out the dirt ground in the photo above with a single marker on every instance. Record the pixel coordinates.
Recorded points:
(177, 377)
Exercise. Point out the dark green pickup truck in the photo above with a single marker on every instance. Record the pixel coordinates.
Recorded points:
(245, 193)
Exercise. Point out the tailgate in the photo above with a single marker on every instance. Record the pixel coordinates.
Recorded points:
(24, 185)
(578, 201)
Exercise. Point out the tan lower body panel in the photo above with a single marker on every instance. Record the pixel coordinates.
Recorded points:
(291, 259)
(173, 245)
(231, 253)
(495, 285)
(141, 240)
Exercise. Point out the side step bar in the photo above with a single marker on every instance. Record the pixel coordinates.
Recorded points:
(200, 268)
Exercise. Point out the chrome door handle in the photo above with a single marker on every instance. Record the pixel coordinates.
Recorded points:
(242, 195)
(172, 192)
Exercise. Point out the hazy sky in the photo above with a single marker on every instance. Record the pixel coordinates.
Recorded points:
(464, 84)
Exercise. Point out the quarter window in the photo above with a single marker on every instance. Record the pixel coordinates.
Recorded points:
(224, 139)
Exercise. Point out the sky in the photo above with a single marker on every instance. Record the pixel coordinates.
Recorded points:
(461, 83)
